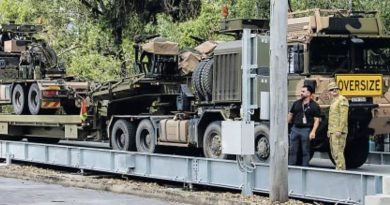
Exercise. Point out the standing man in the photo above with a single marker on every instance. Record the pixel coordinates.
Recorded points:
(338, 125)
(305, 117)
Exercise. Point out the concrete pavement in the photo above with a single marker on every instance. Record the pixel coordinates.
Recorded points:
(23, 192)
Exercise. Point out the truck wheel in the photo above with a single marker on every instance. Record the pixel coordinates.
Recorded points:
(53, 56)
(212, 142)
(19, 102)
(122, 136)
(145, 138)
(355, 153)
(196, 80)
(262, 144)
(34, 100)
(207, 79)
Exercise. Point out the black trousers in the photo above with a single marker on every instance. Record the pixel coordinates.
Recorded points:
(299, 138)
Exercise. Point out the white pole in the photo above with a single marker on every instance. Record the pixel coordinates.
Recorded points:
(247, 189)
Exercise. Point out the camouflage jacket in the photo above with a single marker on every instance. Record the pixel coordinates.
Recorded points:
(338, 115)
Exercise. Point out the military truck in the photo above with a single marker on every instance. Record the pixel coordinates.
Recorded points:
(351, 48)
(161, 107)
(156, 107)
(31, 79)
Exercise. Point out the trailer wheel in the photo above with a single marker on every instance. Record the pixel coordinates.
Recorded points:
(212, 141)
(34, 100)
(262, 144)
(19, 101)
(122, 135)
(145, 137)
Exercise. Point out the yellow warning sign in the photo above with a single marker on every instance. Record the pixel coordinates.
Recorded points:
(360, 85)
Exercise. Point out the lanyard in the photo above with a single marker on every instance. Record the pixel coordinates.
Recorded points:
(304, 120)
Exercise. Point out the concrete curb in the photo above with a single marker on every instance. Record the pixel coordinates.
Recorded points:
(380, 199)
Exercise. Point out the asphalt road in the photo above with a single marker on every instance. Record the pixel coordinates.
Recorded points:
(22, 192)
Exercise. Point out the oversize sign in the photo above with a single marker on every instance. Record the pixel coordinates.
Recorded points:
(360, 85)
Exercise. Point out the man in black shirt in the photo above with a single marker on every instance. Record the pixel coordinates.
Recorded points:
(305, 117)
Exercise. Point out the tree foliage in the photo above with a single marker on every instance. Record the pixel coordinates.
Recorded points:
(94, 38)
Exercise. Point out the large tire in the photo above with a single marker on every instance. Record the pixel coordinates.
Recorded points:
(262, 144)
(49, 58)
(145, 137)
(34, 100)
(19, 100)
(53, 56)
(355, 153)
(196, 80)
(123, 135)
(207, 79)
(212, 141)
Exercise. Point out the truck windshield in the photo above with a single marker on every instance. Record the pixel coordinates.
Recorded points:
(350, 55)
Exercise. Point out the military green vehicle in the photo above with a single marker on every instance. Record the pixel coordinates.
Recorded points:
(351, 48)
(30, 77)
(160, 106)
(348, 47)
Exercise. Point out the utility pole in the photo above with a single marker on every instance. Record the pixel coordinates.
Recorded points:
(278, 89)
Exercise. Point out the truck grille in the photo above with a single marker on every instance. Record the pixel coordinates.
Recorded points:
(227, 78)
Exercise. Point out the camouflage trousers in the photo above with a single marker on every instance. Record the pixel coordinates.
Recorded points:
(337, 146)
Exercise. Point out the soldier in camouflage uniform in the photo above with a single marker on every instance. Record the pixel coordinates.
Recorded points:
(338, 125)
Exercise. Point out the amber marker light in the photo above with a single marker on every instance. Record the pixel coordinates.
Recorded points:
(225, 11)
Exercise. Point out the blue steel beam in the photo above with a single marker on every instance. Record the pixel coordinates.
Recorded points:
(304, 182)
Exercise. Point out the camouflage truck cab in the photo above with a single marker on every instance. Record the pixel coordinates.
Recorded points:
(323, 46)
(30, 77)
(352, 49)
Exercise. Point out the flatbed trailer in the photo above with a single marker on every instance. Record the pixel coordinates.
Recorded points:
(39, 127)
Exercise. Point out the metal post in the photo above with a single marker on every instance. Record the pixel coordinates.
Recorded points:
(386, 147)
(247, 189)
(278, 89)
(8, 159)
(246, 71)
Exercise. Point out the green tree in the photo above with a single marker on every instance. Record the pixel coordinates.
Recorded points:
(94, 38)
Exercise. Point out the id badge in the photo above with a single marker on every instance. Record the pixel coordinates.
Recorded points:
(304, 121)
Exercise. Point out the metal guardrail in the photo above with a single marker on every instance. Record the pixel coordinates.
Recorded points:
(304, 182)
(380, 158)
(373, 158)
